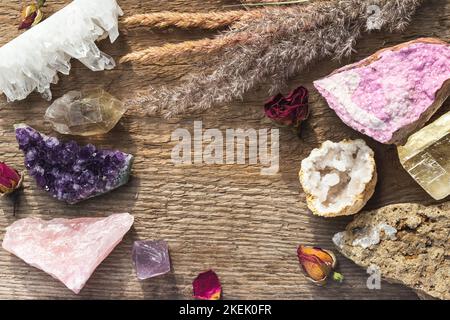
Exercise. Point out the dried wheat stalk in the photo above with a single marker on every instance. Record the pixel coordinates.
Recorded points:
(277, 51)
(256, 1)
(204, 20)
(242, 32)
(186, 48)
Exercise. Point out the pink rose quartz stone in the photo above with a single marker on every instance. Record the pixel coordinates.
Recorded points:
(380, 97)
(67, 249)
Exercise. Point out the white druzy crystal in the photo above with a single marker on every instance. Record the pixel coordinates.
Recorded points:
(338, 178)
(371, 236)
(32, 60)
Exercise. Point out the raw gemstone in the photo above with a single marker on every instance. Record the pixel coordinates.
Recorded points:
(338, 178)
(151, 258)
(70, 172)
(393, 92)
(85, 113)
(31, 61)
(409, 243)
(67, 249)
(207, 286)
(426, 156)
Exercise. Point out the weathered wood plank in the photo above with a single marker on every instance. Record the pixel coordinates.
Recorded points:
(229, 217)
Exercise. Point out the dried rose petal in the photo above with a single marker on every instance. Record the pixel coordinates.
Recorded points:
(207, 286)
(317, 264)
(290, 110)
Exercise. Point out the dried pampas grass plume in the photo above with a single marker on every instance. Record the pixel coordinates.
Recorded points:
(284, 42)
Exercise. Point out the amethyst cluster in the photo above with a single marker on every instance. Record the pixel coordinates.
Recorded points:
(70, 172)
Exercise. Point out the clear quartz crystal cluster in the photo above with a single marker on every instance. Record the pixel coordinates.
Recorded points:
(31, 61)
(85, 113)
(70, 172)
(151, 258)
(426, 156)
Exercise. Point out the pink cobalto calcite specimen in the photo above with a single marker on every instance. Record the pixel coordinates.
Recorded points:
(67, 249)
(393, 92)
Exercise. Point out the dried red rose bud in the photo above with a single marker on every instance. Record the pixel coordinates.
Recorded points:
(290, 110)
(207, 286)
(10, 179)
(31, 16)
(10, 182)
(318, 264)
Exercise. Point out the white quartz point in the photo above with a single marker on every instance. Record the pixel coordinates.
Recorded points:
(31, 61)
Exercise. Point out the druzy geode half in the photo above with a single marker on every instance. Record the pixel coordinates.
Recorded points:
(70, 172)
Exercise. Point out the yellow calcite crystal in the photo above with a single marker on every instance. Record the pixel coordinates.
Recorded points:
(426, 156)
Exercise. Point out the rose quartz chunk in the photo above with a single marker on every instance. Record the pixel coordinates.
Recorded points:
(390, 93)
(67, 249)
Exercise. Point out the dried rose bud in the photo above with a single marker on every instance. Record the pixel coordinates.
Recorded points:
(290, 110)
(318, 264)
(31, 16)
(10, 179)
(207, 286)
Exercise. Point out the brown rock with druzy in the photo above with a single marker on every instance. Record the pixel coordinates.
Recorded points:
(408, 242)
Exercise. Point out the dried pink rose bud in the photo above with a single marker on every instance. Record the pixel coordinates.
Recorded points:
(31, 16)
(10, 179)
(318, 264)
(10, 182)
(207, 286)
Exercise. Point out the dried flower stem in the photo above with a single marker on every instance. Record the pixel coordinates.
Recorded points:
(204, 20)
(186, 48)
(267, 3)
(258, 1)
(278, 50)
(241, 34)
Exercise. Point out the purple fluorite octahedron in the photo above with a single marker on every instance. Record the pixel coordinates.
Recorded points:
(150, 258)
(70, 172)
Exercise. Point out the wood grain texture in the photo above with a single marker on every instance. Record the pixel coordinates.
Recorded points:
(227, 217)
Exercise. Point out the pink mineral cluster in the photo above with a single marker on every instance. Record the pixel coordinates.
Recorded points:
(390, 91)
(67, 249)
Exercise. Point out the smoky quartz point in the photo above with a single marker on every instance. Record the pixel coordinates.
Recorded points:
(85, 113)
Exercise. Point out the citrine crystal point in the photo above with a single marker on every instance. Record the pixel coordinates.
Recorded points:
(426, 157)
(85, 113)
(68, 171)
(151, 258)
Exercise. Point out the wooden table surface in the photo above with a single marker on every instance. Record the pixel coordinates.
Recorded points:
(244, 225)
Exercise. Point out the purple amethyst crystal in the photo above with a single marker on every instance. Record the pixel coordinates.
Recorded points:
(70, 172)
(150, 258)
